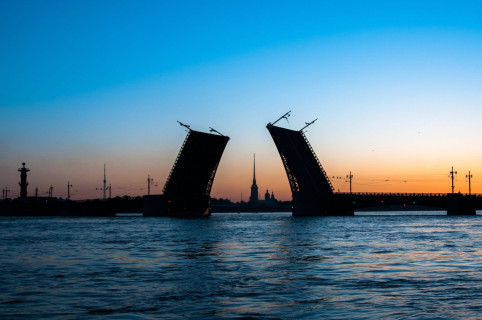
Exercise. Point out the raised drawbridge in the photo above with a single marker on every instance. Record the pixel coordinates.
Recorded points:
(311, 188)
(188, 186)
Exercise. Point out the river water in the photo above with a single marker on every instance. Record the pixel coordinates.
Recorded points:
(235, 266)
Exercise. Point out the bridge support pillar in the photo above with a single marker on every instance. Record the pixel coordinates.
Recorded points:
(154, 206)
(460, 205)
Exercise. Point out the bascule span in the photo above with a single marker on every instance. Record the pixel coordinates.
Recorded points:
(310, 186)
(188, 187)
(312, 191)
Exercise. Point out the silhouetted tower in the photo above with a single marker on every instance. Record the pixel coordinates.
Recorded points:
(350, 177)
(23, 180)
(36, 192)
(104, 183)
(110, 190)
(254, 188)
(452, 174)
(68, 189)
(149, 181)
(51, 191)
(266, 195)
(469, 176)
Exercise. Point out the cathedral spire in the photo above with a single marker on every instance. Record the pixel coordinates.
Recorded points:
(254, 169)
(254, 188)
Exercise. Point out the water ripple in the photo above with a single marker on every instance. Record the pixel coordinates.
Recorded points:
(242, 266)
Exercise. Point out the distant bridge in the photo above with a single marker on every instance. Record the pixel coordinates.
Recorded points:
(411, 201)
(312, 191)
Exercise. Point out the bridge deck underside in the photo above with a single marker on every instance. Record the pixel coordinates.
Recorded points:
(193, 173)
(387, 200)
(303, 170)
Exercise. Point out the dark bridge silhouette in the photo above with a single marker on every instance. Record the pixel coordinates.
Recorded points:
(188, 188)
(186, 193)
(454, 204)
(313, 195)
(311, 188)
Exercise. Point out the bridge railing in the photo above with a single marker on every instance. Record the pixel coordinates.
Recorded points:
(175, 162)
(395, 194)
(401, 194)
(318, 161)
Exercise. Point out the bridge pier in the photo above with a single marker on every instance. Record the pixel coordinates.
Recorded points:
(154, 206)
(460, 205)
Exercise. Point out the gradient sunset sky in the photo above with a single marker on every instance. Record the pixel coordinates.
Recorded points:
(396, 88)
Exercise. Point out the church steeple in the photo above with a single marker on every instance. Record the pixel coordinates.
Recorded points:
(254, 188)
(254, 169)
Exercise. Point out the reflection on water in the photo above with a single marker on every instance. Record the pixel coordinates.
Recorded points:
(242, 265)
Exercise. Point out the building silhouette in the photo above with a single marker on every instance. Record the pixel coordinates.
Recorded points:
(268, 197)
(23, 180)
(254, 197)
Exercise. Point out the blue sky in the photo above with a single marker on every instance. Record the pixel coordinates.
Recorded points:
(395, 87)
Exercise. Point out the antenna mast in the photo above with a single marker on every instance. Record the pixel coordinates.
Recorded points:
(103, 189)
(185, 125)
(285, 116)
(5, 193)
(213, 130)
(350, 176)
(452, 173)
(469, 176)
(68, 189)
(149, 181)
(308, 124)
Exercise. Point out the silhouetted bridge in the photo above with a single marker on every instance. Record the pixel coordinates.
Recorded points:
(407, 201)
(188, 187)
(312, 191)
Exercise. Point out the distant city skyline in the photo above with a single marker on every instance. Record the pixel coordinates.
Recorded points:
(395, 87)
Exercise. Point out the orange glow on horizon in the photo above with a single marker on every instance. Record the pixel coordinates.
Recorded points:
(128, 174)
